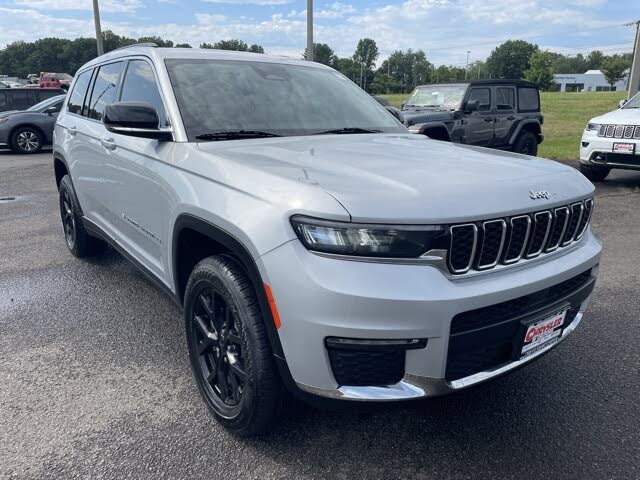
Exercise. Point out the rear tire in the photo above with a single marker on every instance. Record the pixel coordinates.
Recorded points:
(78, 241)
(526, 144)
(595, 173)
(229, 349)
(27, 140)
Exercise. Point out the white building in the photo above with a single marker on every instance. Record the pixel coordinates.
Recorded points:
(590, 81)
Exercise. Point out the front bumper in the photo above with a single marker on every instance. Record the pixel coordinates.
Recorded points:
(319, 298)
(595, 150)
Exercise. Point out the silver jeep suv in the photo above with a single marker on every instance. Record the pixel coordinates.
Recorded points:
(314, 244)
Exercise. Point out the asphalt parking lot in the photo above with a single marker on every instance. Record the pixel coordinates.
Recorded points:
(95, 380)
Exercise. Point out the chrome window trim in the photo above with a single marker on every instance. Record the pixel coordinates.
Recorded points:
(526, 239)
(473, 248)
(564, 228)
(502, 241)
(546, 234)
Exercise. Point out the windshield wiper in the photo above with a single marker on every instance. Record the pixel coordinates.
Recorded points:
(346, 130)
(235, 134)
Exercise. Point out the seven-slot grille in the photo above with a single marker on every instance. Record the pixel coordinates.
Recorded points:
(483, 245)
(619, 131)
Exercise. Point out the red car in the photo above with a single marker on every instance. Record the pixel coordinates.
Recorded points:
(55, 80)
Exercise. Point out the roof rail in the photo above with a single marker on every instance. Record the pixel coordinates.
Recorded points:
(147, 44)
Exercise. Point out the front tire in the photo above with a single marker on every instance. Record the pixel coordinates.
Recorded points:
(526, 144)
(228, 347)
(595, 173)
(78, 241)
(27, 140)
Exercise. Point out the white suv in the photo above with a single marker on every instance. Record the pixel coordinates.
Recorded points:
(611, 141)
(313, 242)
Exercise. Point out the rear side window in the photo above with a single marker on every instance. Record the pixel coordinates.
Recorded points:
(483, 95)
(505, 98)
(140, 85)
(79, 91)
(104, 89)
(528, 99)
(22, 100)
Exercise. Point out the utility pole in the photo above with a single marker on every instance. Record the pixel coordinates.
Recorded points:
(309, 30)
(466, 69)
(96, 18)
(634, 74)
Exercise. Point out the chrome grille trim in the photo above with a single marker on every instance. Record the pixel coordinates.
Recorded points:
(502, 240)
(552, 248)
(547, 214)
(473, 249)
(619, 131)
(628, 131)
(525, 243)
(537, 235)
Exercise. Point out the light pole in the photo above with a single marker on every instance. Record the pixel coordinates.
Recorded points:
(466, 69)
(96, 18)
(309, 30)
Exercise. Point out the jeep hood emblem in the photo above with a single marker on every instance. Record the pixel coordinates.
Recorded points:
(539, 195)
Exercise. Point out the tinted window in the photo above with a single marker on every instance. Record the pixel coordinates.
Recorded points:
(104, 89)
(3, 99)
(483, 95)
(506, 98)
(140, 86)
(48, 94)
(21, 100)
(528, 99)
(217, 95)
(79, 90)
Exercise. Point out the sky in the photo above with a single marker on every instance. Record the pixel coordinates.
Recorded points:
(444, 29)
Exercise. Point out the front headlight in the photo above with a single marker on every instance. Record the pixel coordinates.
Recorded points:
(592, 126)
(390, 241)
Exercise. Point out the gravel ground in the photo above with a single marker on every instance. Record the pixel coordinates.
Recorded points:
(95, 380)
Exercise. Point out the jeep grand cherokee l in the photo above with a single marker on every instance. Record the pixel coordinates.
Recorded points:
(312, 241)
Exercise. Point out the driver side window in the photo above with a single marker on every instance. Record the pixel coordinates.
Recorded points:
(483, 96)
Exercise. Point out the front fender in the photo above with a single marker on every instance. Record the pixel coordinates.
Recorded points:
(519, 128)
(420, 128)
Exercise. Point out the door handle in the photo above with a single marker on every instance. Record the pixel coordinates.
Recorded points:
(108, 143)
(511, 118)
(72, 130)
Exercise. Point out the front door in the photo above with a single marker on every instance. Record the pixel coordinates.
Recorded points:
(478, 125)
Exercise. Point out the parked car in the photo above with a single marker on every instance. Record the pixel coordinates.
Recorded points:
(387, 104)
(29, 130)
(612, 141)
(23, 98)
(502, 114)
(55, 80)
(7, 84)
(311, 240)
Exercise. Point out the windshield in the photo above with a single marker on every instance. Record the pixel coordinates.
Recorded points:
(45, 103)
(440, 96)
(272, 98)
(634, 102)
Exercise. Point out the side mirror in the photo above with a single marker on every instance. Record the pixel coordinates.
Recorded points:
(471, 106)
(135, 119)
(622, 103)
(51, 110)
(396, 113)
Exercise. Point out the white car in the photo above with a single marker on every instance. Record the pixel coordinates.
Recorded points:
(611, 141)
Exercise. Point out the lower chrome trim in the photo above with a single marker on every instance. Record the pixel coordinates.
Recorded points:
(414, 386)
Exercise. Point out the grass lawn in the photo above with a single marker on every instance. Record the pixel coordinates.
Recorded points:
(565, 116)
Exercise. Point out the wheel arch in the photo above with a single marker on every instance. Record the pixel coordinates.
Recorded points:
(205, 239)
(30, 125)
(532, 126)
(60, 168)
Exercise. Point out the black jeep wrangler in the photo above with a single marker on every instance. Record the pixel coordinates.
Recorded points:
(503, 114)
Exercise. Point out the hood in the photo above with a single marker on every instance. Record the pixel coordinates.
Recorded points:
(405, 178)
(8, 113)
(415, 116)
(623, 116)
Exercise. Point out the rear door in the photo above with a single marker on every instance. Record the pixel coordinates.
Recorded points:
(140, 197)
(479, 124)
(504, 113)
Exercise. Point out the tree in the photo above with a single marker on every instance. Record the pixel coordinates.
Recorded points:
(366, 53)
(511, 59)
(157, 40)
(541, 70)
(206, 45)
(614, 68)
(182, 45)
(233, 44)
(594, 60)
(322, 53)
(256, 48)
(383, 83)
